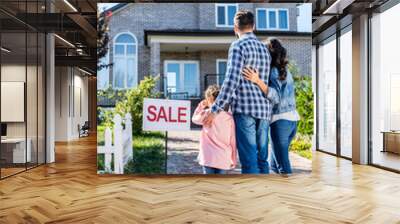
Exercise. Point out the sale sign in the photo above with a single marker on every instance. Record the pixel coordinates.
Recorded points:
(166, 115)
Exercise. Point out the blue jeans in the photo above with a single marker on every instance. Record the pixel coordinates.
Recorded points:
(212, 170)
(282, 133)
(252, 143)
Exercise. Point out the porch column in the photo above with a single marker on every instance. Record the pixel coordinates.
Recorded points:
(155, 59)
(360, 90)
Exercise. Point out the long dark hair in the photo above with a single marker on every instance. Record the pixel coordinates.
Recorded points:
(278, 57)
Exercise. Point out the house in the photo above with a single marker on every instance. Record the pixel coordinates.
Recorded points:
(187, 43)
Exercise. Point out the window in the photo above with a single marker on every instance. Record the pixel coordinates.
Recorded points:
(346, 93)
(272, 19)
(221, 70)
(283, 19)
(327, 96)
(125, 61)
(385, 89)
(182, 77)
(225, 14)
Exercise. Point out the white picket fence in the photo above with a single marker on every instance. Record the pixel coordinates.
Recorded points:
(122, 148)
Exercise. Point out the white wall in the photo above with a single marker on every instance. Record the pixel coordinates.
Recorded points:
(71, 94)
(34, 124)
(14, 72)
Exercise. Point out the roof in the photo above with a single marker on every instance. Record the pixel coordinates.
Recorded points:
(116, 7)
(201, 32)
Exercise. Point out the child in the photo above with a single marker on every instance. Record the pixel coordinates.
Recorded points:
(217, 142)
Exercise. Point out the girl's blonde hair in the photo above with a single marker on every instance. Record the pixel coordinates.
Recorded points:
(212, 91)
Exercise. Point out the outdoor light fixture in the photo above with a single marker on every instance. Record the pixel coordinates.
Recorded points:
(5, 50)
(70, 5)
(64, 40)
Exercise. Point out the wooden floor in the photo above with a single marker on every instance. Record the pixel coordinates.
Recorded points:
(70, 191)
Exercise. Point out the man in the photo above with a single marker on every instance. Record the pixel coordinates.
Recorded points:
(251, 109)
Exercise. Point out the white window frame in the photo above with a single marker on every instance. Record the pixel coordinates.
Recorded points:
(181, 69)
(126, 57)
(276, 10)
(226, 25)
(217, 66)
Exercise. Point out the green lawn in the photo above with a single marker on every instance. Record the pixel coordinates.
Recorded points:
(148, 153)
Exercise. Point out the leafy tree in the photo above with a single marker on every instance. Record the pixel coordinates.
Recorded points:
(103, 38)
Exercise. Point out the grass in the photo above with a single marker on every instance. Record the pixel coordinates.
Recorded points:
(148, 140)
(148, 153)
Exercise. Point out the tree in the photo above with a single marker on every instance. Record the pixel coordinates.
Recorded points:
(103, 38)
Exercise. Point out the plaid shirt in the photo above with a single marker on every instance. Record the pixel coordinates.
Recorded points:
(244, 96)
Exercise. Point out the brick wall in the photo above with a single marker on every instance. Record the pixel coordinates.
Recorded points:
(299, 52)
(135, 18)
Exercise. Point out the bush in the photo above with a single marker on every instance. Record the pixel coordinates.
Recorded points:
(105, 117)
(301, 145)
(304, 101)
(132, 102)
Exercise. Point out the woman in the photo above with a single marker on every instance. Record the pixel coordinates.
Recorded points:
(280, 91)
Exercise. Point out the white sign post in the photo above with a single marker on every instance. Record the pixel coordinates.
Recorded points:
(166, 115)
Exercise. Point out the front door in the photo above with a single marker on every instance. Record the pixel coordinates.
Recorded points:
(182, 77)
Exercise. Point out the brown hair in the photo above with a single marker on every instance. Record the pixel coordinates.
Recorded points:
(279, 58)
(244, 19)
(212, 91)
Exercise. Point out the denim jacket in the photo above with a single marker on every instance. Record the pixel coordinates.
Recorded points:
(281, 93)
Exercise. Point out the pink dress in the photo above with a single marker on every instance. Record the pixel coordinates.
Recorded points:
(217, 142)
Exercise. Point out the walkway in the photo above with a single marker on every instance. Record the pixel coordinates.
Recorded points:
(184, 147)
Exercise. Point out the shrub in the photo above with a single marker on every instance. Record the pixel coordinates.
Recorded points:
(301, 145)
(132, 101)
(304, 101)
(105, 117)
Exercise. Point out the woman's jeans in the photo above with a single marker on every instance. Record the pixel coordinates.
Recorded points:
(252, 143)
(282, 133)
(212, 170)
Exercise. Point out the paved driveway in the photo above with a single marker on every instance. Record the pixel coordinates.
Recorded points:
(183, 149)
